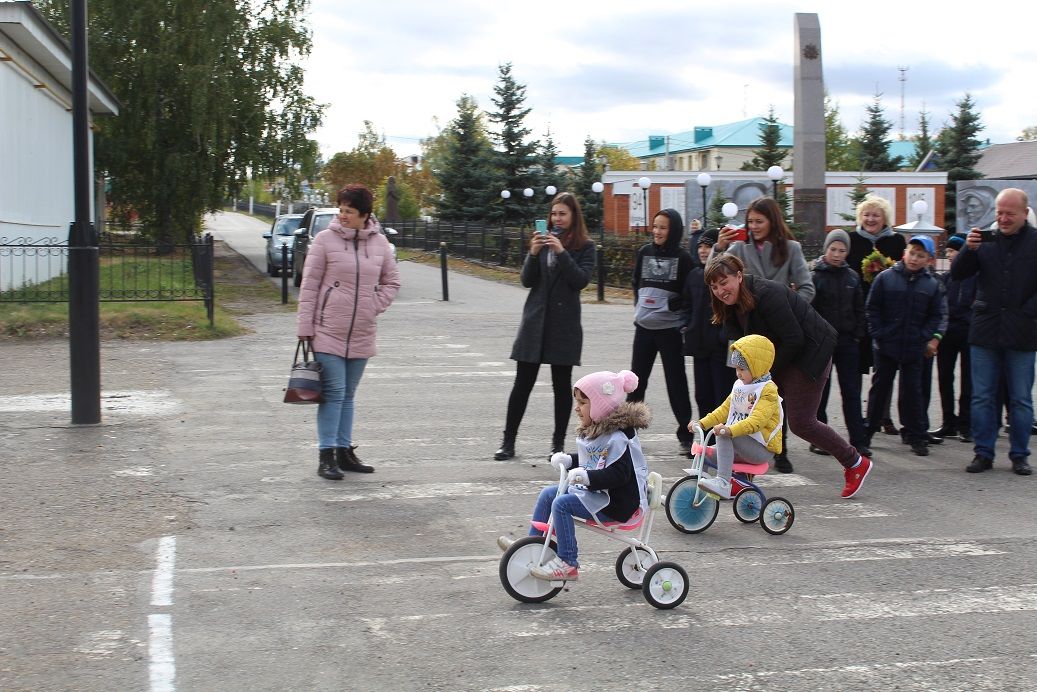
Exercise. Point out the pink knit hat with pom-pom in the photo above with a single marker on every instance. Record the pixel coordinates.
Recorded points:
(606, 390)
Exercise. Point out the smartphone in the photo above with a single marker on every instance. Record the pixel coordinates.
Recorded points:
(741, 234)
(541, 226)
(987, 235)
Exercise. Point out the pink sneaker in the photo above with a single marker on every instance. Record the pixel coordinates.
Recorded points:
(556, 570)
(855, 477)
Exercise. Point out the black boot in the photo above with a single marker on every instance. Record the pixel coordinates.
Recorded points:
(507, 448)
(347, 461)
(557, 443)
(327, 468)
(782, 463)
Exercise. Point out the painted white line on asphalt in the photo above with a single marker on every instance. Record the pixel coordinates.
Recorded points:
(898, 549)
(132, 402)
(848, 510)
(430, 490)
(162, 666)
(868, 676)
(445, 374)
(162, 581)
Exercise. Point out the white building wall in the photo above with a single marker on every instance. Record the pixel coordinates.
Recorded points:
(36, 193)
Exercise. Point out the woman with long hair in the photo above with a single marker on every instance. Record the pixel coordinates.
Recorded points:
(770, 252)
(558, 266)
(803, 345)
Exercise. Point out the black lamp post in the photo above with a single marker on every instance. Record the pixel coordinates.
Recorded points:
(645, 182)
(704, 180)
(598, 187)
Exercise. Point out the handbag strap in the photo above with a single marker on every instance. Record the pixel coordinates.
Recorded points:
(307, 352)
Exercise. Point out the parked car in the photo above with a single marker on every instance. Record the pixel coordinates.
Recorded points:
(313, 222)
(282, 232)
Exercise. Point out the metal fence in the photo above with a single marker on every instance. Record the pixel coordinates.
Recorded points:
(506, 246)
(33, 271)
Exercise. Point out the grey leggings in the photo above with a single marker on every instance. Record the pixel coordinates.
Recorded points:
(743, 448)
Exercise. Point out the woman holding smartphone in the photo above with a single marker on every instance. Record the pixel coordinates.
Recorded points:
(558, 266)
(769, 252)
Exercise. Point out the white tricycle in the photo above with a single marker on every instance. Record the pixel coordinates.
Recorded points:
(664, 584)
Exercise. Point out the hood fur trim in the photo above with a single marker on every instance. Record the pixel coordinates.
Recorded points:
(629, 414)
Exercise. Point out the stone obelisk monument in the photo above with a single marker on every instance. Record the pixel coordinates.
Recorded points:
(808, 199)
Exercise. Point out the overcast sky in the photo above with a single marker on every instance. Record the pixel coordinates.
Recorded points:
(619, 71)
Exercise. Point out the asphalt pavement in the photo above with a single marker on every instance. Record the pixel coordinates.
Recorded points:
(187, 543)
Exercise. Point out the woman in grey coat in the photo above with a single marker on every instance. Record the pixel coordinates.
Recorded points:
(558, 266)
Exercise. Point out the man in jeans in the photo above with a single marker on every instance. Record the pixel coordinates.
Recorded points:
(1003, 334)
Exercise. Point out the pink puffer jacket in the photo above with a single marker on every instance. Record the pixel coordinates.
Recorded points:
(349, 278)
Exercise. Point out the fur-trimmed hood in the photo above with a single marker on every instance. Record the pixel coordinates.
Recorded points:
(629, 414)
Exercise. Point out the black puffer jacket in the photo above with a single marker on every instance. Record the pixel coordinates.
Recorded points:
(702, 338)
(1004, 314)
(801, 337)
(839, 297)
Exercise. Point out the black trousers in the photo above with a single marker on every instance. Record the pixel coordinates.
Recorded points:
(669, 345)
(713, 380)
(909, 398)
(955, 344)
(525, 378)
(846, 363)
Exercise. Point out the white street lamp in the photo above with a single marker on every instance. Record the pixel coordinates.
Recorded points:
(775, 173)
(919, 207)
(598, 186)
(505, 194)
(730, 210)
(550, 190)
(528, 192)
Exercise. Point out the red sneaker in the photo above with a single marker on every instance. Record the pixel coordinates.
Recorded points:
(855, 477)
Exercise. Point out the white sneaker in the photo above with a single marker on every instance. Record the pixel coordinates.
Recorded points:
(556, 570)
(503, 542)
(721, 487)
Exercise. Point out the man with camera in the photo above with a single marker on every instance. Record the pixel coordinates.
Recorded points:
(1003, 333)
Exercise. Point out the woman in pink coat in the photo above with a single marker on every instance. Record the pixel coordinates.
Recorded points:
(349, 278)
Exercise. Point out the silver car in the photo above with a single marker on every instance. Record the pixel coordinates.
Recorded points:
(282, 232)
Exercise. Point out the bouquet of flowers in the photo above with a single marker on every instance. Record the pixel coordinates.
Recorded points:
(873, 264)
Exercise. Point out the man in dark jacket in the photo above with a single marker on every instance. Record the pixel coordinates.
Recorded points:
(1003, 333)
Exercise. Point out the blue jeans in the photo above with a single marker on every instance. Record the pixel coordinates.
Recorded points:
(338, 382)
(565, 508)
(988, 365)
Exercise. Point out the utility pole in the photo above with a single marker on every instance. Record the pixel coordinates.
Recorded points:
(903, 82)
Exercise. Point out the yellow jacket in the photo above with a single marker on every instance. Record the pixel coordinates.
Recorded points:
(764, 416)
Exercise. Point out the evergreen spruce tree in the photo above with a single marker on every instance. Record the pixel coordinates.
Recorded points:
(874, 141)
(466, 178)
(582, 184)
(515, 156)
(547, 155)
(715, 218)
(923, 142)
(839, 154)
(857, 194)
(958, 150)
(770, 153)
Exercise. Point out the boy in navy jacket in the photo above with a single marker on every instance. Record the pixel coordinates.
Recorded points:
(907, 315)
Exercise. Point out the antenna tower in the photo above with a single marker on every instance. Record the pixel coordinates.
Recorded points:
(903, 82)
